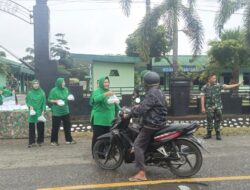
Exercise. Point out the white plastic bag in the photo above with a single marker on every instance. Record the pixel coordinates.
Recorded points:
(71, 97)
(60, 103)
(41, 119)
(113, 100)
(32, 112)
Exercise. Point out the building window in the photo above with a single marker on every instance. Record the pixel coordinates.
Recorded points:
(246, 78)
(114, 73)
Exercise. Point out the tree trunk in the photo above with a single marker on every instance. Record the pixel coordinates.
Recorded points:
(235, 80)
(148, 7)
(148, 10)
(175, 45)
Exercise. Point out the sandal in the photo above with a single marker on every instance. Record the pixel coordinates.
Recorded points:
(137, 179)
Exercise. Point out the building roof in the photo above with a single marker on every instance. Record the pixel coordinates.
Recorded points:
(16, 66)
(105, 58)
(200, 60)
(185, 61)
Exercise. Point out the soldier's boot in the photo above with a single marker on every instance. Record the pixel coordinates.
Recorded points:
(218, 136)
(208, 135)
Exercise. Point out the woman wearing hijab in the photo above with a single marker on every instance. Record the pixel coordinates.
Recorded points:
(59, 97)
(36, 102)
(102, 113)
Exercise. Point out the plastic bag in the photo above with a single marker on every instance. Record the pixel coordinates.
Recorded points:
(32, 112)
(60, 103)
(71, 97)
(113, 100)
(41, 119)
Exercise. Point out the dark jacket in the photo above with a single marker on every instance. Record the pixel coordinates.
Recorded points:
(153, 109)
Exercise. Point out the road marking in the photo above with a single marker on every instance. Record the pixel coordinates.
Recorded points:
(153, 182)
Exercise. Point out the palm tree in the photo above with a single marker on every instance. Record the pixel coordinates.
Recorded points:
(169, 13)
(126, 6)
(227, 9)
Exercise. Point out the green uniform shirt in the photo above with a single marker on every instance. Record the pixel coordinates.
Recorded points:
(102, 113)
(212, 95)
(37, 99)
(7, 93)
(59, 93)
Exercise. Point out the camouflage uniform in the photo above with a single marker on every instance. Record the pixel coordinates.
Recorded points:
(213, 104)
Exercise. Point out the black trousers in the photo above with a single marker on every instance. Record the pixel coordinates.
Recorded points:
(98, 131)
(140, 145)
(56, 122)
(32, 132)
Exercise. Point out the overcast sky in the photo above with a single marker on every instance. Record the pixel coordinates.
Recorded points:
(97, 26)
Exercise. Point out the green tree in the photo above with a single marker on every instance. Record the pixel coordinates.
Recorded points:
(29, 58)
(144, 47)
(60, 52)
(227, 9)
(159, 43)
(170, 12)
(229, 52)
(126, 6)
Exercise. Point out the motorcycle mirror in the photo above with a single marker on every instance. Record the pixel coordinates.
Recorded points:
(137, 100)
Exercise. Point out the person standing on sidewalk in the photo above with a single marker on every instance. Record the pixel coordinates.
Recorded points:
(102, 113)
(36, 102)
(211, 104)
(59, 97)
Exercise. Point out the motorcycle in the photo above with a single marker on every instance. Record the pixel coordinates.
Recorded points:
(174, 147)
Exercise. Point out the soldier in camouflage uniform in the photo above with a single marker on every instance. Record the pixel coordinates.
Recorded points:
(211, 104)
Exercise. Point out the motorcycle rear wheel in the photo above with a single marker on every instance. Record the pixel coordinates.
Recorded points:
(191, 158)
(107, 156)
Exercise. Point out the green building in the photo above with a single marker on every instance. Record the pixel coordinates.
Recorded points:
(120, 70)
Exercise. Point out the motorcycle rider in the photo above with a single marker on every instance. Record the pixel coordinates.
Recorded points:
(153, 112)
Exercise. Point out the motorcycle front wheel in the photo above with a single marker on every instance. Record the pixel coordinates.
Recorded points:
(106, 155)
(189, 161)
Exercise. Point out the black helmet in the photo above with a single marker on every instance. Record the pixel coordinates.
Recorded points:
(151, 78)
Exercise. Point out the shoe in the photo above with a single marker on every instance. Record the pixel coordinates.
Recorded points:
(208, 135)
(72, 142)
(218, 136)
(39, 144)
(31, 145)
(54, 144)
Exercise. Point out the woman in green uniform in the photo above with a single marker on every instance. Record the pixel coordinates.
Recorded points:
(59, 97)
(36, 102)
(102, 113)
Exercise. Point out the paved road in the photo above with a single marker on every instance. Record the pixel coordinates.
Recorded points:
(226, 167)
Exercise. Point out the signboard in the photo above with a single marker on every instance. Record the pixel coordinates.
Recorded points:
(185, 68)
(167, 69)
(189, 68)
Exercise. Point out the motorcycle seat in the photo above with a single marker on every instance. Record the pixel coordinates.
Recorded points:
(176, 127)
